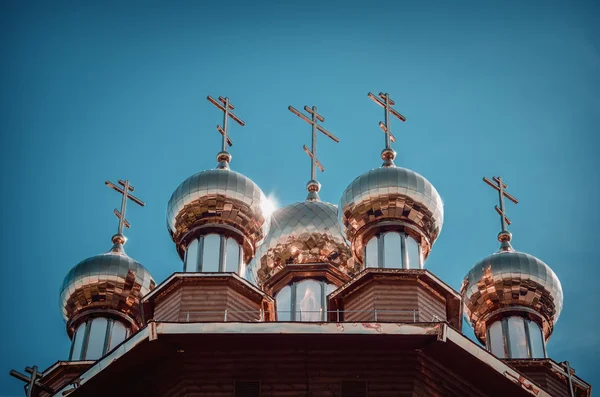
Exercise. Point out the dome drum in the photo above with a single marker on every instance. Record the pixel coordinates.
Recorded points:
(90, 314)
(383, 227)
(515, 311)
(221, 229)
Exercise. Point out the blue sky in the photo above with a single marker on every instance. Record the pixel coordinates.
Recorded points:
(104, 90)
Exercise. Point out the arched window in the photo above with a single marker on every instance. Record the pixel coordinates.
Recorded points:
(517, 337)
(392, 251)
(232, 256)
(304, 300)
(191, 257)
(78, 342)
(537, 341)
(496, 340)
(284, 304)
(308, 301)
(412, 253)
(211, 250)
(95, 347)
(371, 253)
(118, 335)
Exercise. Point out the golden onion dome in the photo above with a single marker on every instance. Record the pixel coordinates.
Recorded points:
(303, 233)
(509, 280)
(390, 195)
(112, 281)
(218, 198)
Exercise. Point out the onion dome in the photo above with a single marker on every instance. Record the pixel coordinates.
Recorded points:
(390, 196)
(509, 284)
(390, 199)
(506, 280)
(303, 233)
(219, 200)
(111, 282)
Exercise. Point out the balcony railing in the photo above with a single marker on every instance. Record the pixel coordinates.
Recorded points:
(403, 316)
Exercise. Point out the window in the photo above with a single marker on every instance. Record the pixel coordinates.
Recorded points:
(284, 304)
(412, 253)
(211, 251)
(246, 389)
(78, 342)
(232, 256)
(537, 340)
(353, 388)
(303, 301)
(191, 257)
(118, 335)
(517, 337)
(496, 340)
(372, 257)
(95, 347)
(392, 251)
(308, 301)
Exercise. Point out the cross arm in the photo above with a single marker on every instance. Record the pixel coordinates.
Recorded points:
(299, 114)
(384, 128)
(120, 216)
(122, 183)
(131, 196)
(504, 186)
(317, 115)
(376, 100)
(382, 104)
(222, 132)
(329, 134)
(382, 96)
(312, 156)
(499, 211)
(222, 108)
(224, 101)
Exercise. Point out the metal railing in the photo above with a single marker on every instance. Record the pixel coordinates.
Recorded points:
(308, 316)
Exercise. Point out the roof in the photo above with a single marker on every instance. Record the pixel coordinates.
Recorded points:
(442, 342)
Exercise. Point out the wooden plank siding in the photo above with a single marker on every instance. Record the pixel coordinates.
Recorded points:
(395, 301)
(301, 373)
(206, 302)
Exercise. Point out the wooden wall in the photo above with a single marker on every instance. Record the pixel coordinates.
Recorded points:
(205, 302)
(394, 295)
(301, 373)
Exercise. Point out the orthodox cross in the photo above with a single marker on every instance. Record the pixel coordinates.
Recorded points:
(500, 186)
(32, 382)
(224, 105)
(126, 195)
(386, 102)
(312, 153)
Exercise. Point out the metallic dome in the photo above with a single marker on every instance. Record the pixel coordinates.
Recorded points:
(110, 281)
(511, 279)
(302, 233)
(218, 197)
(390, 194)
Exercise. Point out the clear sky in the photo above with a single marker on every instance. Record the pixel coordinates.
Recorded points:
(91, 91)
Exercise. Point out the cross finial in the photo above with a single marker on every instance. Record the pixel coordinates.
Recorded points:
(224, 157)
(119, 238)
(32, 382)
(313, 185)
(388, 154)
(504, 236)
